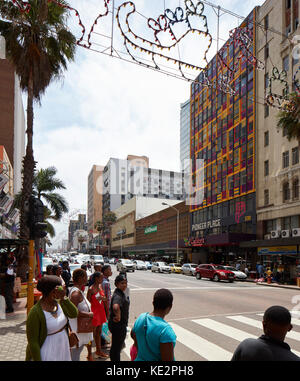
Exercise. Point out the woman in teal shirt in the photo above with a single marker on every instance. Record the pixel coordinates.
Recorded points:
(153, 337)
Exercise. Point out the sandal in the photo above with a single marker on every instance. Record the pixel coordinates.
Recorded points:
(102, 355)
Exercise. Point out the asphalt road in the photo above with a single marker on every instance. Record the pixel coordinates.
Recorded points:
(210, 318)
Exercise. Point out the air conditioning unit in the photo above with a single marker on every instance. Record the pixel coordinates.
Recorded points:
(296, 232)
(285, 233)
(275, 234)
(267, 236)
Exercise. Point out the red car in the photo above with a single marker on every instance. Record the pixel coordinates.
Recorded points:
(214, 272)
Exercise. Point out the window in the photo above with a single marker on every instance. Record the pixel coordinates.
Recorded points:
(296, 189)
(295, 155)
(267, 111)
(266, 197)
(266, 168)
(285, 63)
(285, 192)
(266, 51)
(266, 138)
(285, 159)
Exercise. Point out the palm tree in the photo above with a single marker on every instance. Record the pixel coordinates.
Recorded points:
(39, 45)
(290, 119)
(100, 227)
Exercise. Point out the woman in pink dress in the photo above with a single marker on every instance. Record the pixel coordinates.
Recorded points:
(96, 297)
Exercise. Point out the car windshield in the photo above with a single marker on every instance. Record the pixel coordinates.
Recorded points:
(128, 262)
(219, 267)
(140, 262)
(97, 258)
(162, 264)
(230, 268)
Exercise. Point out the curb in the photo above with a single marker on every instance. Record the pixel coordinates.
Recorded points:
(279, 286)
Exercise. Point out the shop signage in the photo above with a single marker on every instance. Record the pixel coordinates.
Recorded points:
(277, 250)
(195, 242)
(207, 225)
(151, 229)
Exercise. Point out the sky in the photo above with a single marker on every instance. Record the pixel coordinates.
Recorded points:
(105, 107)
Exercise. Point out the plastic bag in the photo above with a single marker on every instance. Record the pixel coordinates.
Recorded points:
(105, 332)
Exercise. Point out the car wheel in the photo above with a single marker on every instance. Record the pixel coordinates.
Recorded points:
(198, 276)
(230, 280)
(216, 278)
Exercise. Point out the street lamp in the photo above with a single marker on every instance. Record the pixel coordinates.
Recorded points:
(177, 230)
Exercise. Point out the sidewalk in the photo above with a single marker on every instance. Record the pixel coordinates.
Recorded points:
(13, 340)
(288, 286)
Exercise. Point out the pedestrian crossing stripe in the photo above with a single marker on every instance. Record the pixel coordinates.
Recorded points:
(210, 351)
(202, 347)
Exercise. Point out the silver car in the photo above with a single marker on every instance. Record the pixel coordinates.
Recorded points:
(125, 265)
(140, 265)
(161, 267)
(189, 269)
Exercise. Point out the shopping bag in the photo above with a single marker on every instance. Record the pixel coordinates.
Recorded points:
(105, 332)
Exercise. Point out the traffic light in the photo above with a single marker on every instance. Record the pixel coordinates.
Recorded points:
(36, 218)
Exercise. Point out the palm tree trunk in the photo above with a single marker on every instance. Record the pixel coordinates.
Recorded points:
(28, 171)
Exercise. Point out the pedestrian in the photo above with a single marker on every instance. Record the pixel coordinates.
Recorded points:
(49, 270)
(118, 318)
(57, 270)
(270, 346)
(106, 271)
(238, 266)
(246, 270)
(78, 298)
(96, 297)
(46, 325)
(66, 275)
(7, 277)
(154, 338)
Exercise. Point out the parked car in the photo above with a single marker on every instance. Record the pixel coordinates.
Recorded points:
(189, 269)
(106, 260)
(125, 265)
(97, 259)
(214, 272)
(175, 268)
(237, 273)
(161, 267)
(140, 265)
(149, 265)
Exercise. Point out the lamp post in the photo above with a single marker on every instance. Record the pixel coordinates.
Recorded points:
(177, 230)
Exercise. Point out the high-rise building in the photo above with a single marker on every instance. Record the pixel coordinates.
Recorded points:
(124, 179)
(79, 224)
(185, 134)
(278, 164)
(223, 134)
(12, 120)
(95, 191)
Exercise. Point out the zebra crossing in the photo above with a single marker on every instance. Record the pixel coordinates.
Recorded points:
(216, 338)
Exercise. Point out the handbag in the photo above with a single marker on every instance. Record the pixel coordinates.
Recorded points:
(84, 324)
(73, 338)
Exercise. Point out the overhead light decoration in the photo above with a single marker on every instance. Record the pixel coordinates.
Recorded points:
(23, 6)
(281, 102)
(164, 24)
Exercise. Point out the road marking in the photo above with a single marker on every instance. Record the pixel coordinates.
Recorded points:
(216, 288)
(224, 329)
(202, 347)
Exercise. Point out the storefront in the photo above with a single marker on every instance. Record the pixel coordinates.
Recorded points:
(281, 255)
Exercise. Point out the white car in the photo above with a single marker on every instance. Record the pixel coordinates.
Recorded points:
(161, 267)
(125, 265)
(239, 275)
(189, 268)
(97, 259)
(140, 265)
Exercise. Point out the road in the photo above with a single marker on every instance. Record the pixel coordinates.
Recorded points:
(210, 318)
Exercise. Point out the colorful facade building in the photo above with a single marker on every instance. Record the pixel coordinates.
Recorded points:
(223, 134)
